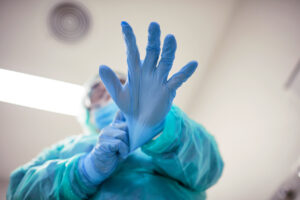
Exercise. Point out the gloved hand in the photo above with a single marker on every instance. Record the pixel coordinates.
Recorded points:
(147, 96)
(112, 147)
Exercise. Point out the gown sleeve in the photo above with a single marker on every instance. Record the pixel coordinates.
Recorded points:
(54, 173)
(186, 152)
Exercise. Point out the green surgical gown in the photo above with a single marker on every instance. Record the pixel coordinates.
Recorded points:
(182, 163)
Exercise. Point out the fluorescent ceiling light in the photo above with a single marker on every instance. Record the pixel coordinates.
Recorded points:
(40, 93)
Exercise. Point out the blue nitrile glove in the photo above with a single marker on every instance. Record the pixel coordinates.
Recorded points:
(147, 96)
(111, 148)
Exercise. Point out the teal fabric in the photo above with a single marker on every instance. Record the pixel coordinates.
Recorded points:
(181, 163)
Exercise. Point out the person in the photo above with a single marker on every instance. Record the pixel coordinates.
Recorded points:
(147, 148)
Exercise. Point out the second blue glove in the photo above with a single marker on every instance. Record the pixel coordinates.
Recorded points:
(111, 148)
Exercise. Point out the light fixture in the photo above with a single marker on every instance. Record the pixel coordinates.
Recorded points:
(40, 93)
(69, 21)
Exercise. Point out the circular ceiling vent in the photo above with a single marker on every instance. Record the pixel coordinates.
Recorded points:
(69, 21)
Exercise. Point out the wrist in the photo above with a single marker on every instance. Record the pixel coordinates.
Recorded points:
(169, 138)
(88, 169)
(141, 133)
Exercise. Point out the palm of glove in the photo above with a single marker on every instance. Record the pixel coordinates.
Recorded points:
(147, 96)
(111, 148)
(154, 101)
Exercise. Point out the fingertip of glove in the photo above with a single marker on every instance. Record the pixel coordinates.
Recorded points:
(170, 42)
(103, 69)
(124, 23)
(194, 63)
(154, 27)
(192, 67)
(104, 72)
(126, 27)
(170, 38)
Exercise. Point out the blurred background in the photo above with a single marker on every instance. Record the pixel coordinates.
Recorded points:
(246, 91)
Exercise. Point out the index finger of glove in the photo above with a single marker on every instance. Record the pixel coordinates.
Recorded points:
(112, 132)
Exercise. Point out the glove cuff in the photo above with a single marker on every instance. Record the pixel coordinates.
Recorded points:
(87, 167)
(139, 133)
(170, 136)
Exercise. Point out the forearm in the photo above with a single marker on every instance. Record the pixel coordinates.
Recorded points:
(186, 152)
(55, 179)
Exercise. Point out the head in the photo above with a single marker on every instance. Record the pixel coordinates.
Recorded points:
(98, 106)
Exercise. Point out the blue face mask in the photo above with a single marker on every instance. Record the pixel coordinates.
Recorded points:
(105, 115)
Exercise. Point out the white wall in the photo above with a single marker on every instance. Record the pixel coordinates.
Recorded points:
(243, 102)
